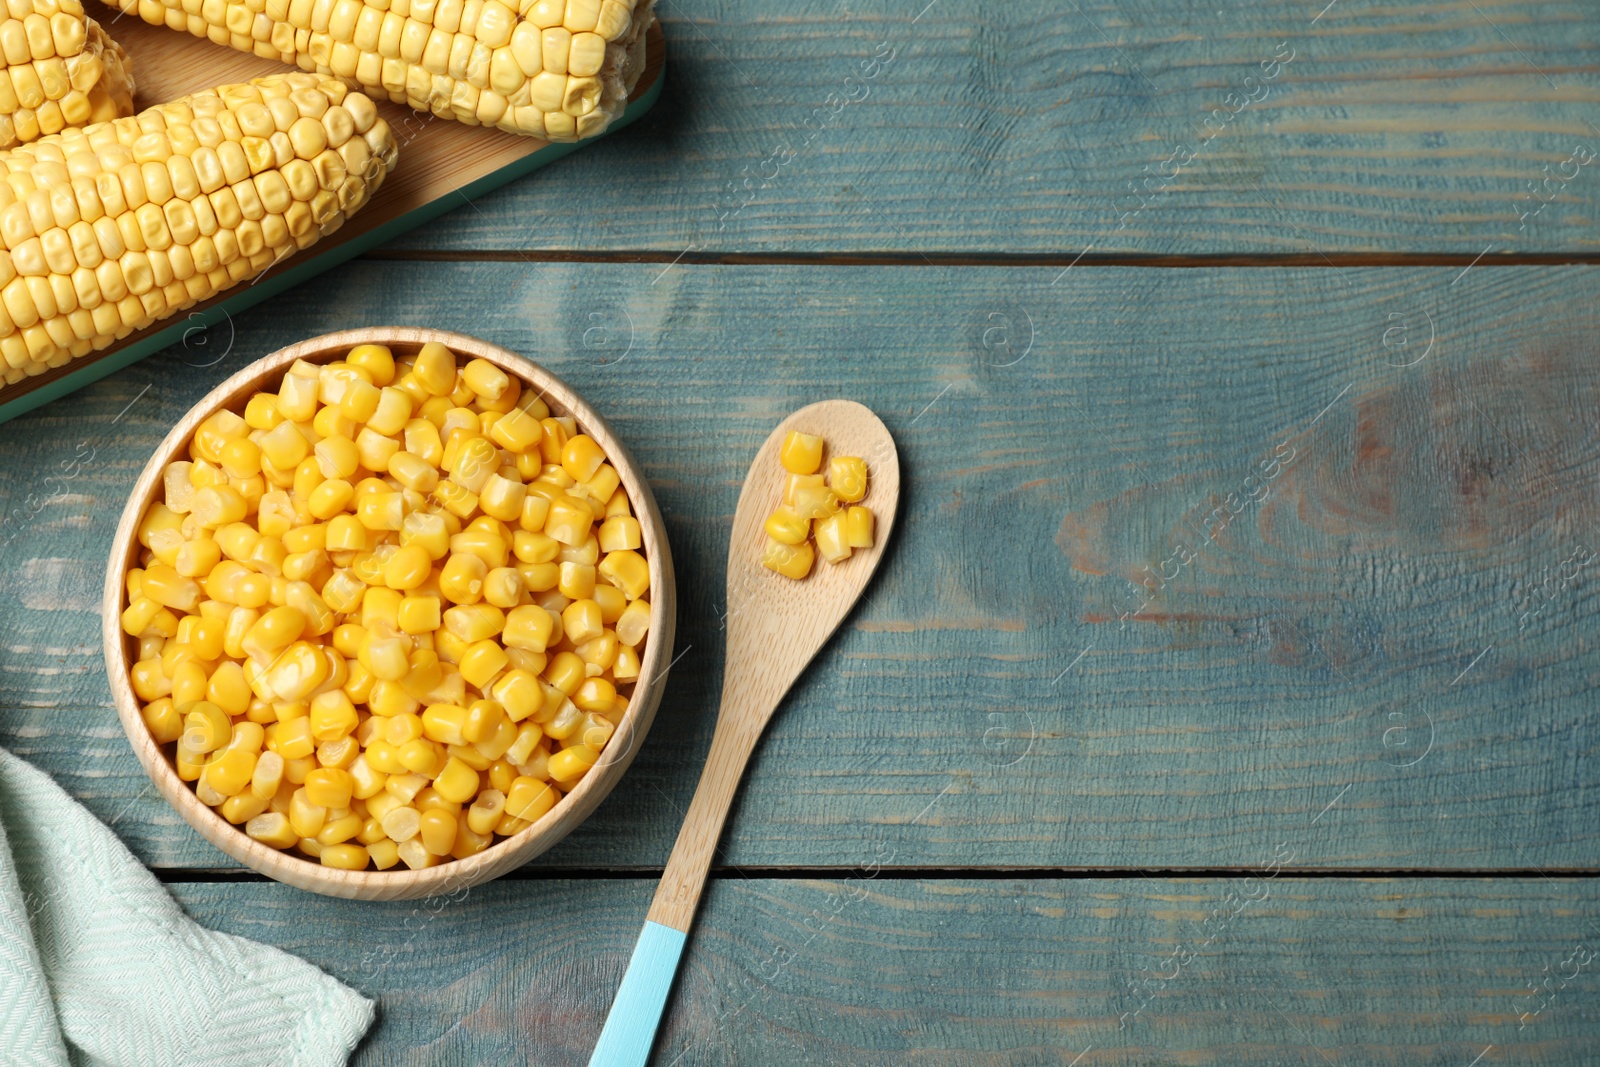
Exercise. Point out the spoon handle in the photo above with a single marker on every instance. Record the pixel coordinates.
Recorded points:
(631, 1027)
(635, 1014)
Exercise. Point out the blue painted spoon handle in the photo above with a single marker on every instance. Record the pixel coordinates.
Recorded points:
(636, 1013)
(631, 1027)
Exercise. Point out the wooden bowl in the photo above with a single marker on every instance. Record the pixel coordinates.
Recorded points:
(455, 875)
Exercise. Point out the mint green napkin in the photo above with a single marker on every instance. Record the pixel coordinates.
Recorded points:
(99, 966)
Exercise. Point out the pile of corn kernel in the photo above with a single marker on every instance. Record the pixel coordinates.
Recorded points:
(813, 508)
(383, 616)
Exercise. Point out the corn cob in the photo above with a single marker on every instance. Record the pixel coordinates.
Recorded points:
(557, 69)
(60, 70)
(109, 228)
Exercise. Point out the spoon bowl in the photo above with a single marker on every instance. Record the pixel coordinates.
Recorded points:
(776, 625)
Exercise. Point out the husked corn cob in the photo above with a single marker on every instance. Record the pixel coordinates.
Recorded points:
(107, 229)
(61, 70)
(557, 69)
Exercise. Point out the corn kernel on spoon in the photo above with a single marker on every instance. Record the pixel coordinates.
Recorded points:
(775, 626)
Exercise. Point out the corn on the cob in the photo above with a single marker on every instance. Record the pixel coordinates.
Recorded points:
(107, 229)
(557, 69)
(60, 70)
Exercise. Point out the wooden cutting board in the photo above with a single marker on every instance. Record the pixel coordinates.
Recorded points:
(439, 158)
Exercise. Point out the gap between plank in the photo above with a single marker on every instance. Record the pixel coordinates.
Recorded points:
(703, 257)
(176, 875)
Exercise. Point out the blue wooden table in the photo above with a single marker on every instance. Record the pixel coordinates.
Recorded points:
(1228, 694)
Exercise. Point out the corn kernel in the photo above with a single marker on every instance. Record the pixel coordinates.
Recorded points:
(600, 486)
(486, 811)
(443, 723)
(401, 823)
(801, 453)
(438, 832)
(576, 580)
(384, 854)
(422, 757)
(786, 526)
(419, 614)
(295, 741)
(381, 511)
(795, 482)
(502, 497)
(231, 772)
(272, 828)
(457, 781)
(333, 716)
(474, 622)
(791, 561)
(473, 463)
(571, 764)
(435, 368)
(581, 456)
(626, 668)
(462, 577)
(619, 532)
(858, 527)
(566, 672)
(337, 830)
(360, 400)
(328, 787)
(241, 807)
(283, 446)
(815, 502)
(487, 544)
(495, 745)
(628, 571)
(830, 536)
(306, 817)
(503, 587)
(847, 477)
(376, 360)
(344, 857)
(581, 621)
(518, 693)
(569, 520)
(408, 568)
(162, 717)
(482, 662)
(528, 799)
(595, 694)
(528, 737)
(414, 855)
(516, 431)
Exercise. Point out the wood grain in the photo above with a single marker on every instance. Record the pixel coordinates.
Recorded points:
(775, 627)
(962, 972)
(1017, 129)
(120, 650)
(438, 159)
(987, 707)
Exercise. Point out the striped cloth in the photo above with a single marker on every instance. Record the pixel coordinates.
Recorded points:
(99, 966)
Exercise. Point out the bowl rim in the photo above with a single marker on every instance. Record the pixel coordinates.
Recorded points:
(573, 808)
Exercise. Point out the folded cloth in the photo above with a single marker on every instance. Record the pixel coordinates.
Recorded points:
(99, 966)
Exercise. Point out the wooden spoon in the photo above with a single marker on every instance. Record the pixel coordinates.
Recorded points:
(775, 627)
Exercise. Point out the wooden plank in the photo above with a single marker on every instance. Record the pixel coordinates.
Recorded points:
(1012, 972)
(1361, 655)
(440, 163)
(1019, 128)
